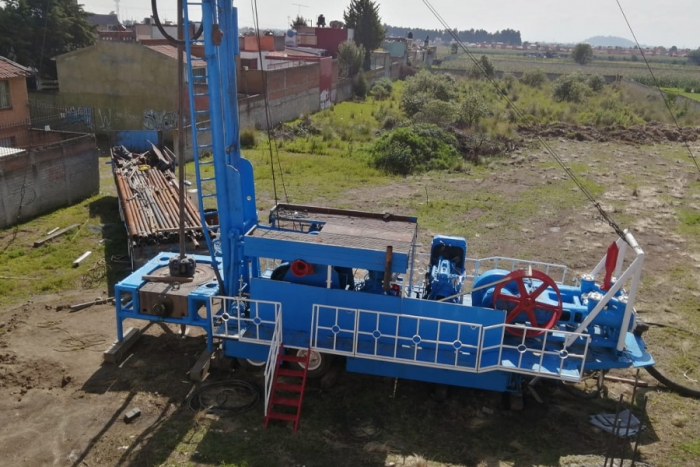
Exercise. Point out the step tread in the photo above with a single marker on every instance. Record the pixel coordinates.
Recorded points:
(290, 417)
(286, 401)
(290, 372)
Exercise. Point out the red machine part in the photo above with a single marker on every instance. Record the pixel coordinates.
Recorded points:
(301, 268)
(527, 302)
(610, 263)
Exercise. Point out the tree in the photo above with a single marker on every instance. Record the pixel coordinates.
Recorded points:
(582, 54)
(350, 58)
(33, 32)
(454, 48)
(299, 22)
(673, 49)
(363, 17)
(694, 57)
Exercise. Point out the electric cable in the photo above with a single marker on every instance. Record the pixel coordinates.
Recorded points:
(652, 370)
(224, 398)
(161, 29)
(609, 220)
(683, 390)
(268, 116)
(658, 86)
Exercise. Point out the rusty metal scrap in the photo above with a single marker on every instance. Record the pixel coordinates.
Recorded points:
(149, 196)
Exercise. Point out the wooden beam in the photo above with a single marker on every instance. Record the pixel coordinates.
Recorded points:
(55, 235)
(117, 351)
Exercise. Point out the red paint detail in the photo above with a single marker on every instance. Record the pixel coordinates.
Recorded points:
(527, 302)
(610, 263)
(293, 393)
(301, 268)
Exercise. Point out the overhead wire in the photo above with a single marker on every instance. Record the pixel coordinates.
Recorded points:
(606, 217)
(268, 116)
(658, 86)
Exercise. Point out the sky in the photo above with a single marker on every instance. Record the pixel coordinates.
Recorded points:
(655, 22)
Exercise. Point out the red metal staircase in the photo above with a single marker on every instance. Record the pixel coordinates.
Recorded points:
(287, 396)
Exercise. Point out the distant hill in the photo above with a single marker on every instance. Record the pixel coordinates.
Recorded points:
(609, 41)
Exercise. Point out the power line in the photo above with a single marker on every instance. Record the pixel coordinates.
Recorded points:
(658, 86)
(520, 115)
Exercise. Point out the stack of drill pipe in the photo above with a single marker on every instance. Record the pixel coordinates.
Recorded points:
(150, 199)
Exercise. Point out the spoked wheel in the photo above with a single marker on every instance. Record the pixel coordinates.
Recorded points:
(319, 363)
(539, 313)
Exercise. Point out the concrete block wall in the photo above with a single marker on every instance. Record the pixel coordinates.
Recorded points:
(46, 178)
(251, 110)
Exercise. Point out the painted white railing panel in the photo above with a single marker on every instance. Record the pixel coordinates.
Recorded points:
(396, 338)
(244, 319)
(543, 356)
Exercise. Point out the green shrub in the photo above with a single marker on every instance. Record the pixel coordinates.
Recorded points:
(596, 83)
(412, 103)
(414, 148)
(438, 86)
(436, 112)
(472, 109)
(360, 86)
(247, 139)
(509, 81)
(534, 78)
(382, 89)
(570, 88)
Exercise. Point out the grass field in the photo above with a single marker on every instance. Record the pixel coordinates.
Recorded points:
(520, 204)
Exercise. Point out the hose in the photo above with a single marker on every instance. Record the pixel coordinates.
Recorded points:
(224, 398)
(672, 385)
(660, 377)
(171, 39)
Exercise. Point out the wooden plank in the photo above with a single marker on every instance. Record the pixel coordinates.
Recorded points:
(200, 370)
(55, 234)
(117, 351)
(81, 258)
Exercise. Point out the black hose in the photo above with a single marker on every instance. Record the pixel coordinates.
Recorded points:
(642, 327)
(223, 398)
(171, 39)
(677, 387)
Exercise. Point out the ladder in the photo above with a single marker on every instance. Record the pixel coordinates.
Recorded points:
(288, 396)
(206, 139)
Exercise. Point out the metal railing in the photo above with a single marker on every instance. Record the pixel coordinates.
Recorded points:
(380, 335)
(272, 356)
(475, 267)
(631, 275)
(244, 319)
(545, 356)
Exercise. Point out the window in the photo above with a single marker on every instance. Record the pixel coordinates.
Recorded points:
(5, 95)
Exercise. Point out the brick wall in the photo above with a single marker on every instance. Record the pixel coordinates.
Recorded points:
(19, 100)
(280, 83)
(46, 178)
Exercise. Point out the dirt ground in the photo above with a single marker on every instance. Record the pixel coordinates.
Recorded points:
(62, 407)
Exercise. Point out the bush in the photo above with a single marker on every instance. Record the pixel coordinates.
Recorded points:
(247, 139)
(534, 78)
(413, 149)
(472, 109)
(360, 86)
(382, 89)
(436, 112)
(350, 58)
(570, 88)
(437, 86)
(596, 83)
(509, 81)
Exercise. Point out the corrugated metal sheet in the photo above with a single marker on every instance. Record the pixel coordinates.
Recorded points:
(10, 69)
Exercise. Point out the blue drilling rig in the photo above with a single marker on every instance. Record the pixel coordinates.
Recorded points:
(314, 283)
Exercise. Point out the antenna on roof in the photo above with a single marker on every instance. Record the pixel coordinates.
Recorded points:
(116, 8)
(300, 7)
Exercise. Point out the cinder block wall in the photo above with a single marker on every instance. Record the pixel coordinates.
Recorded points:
(46, 178)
